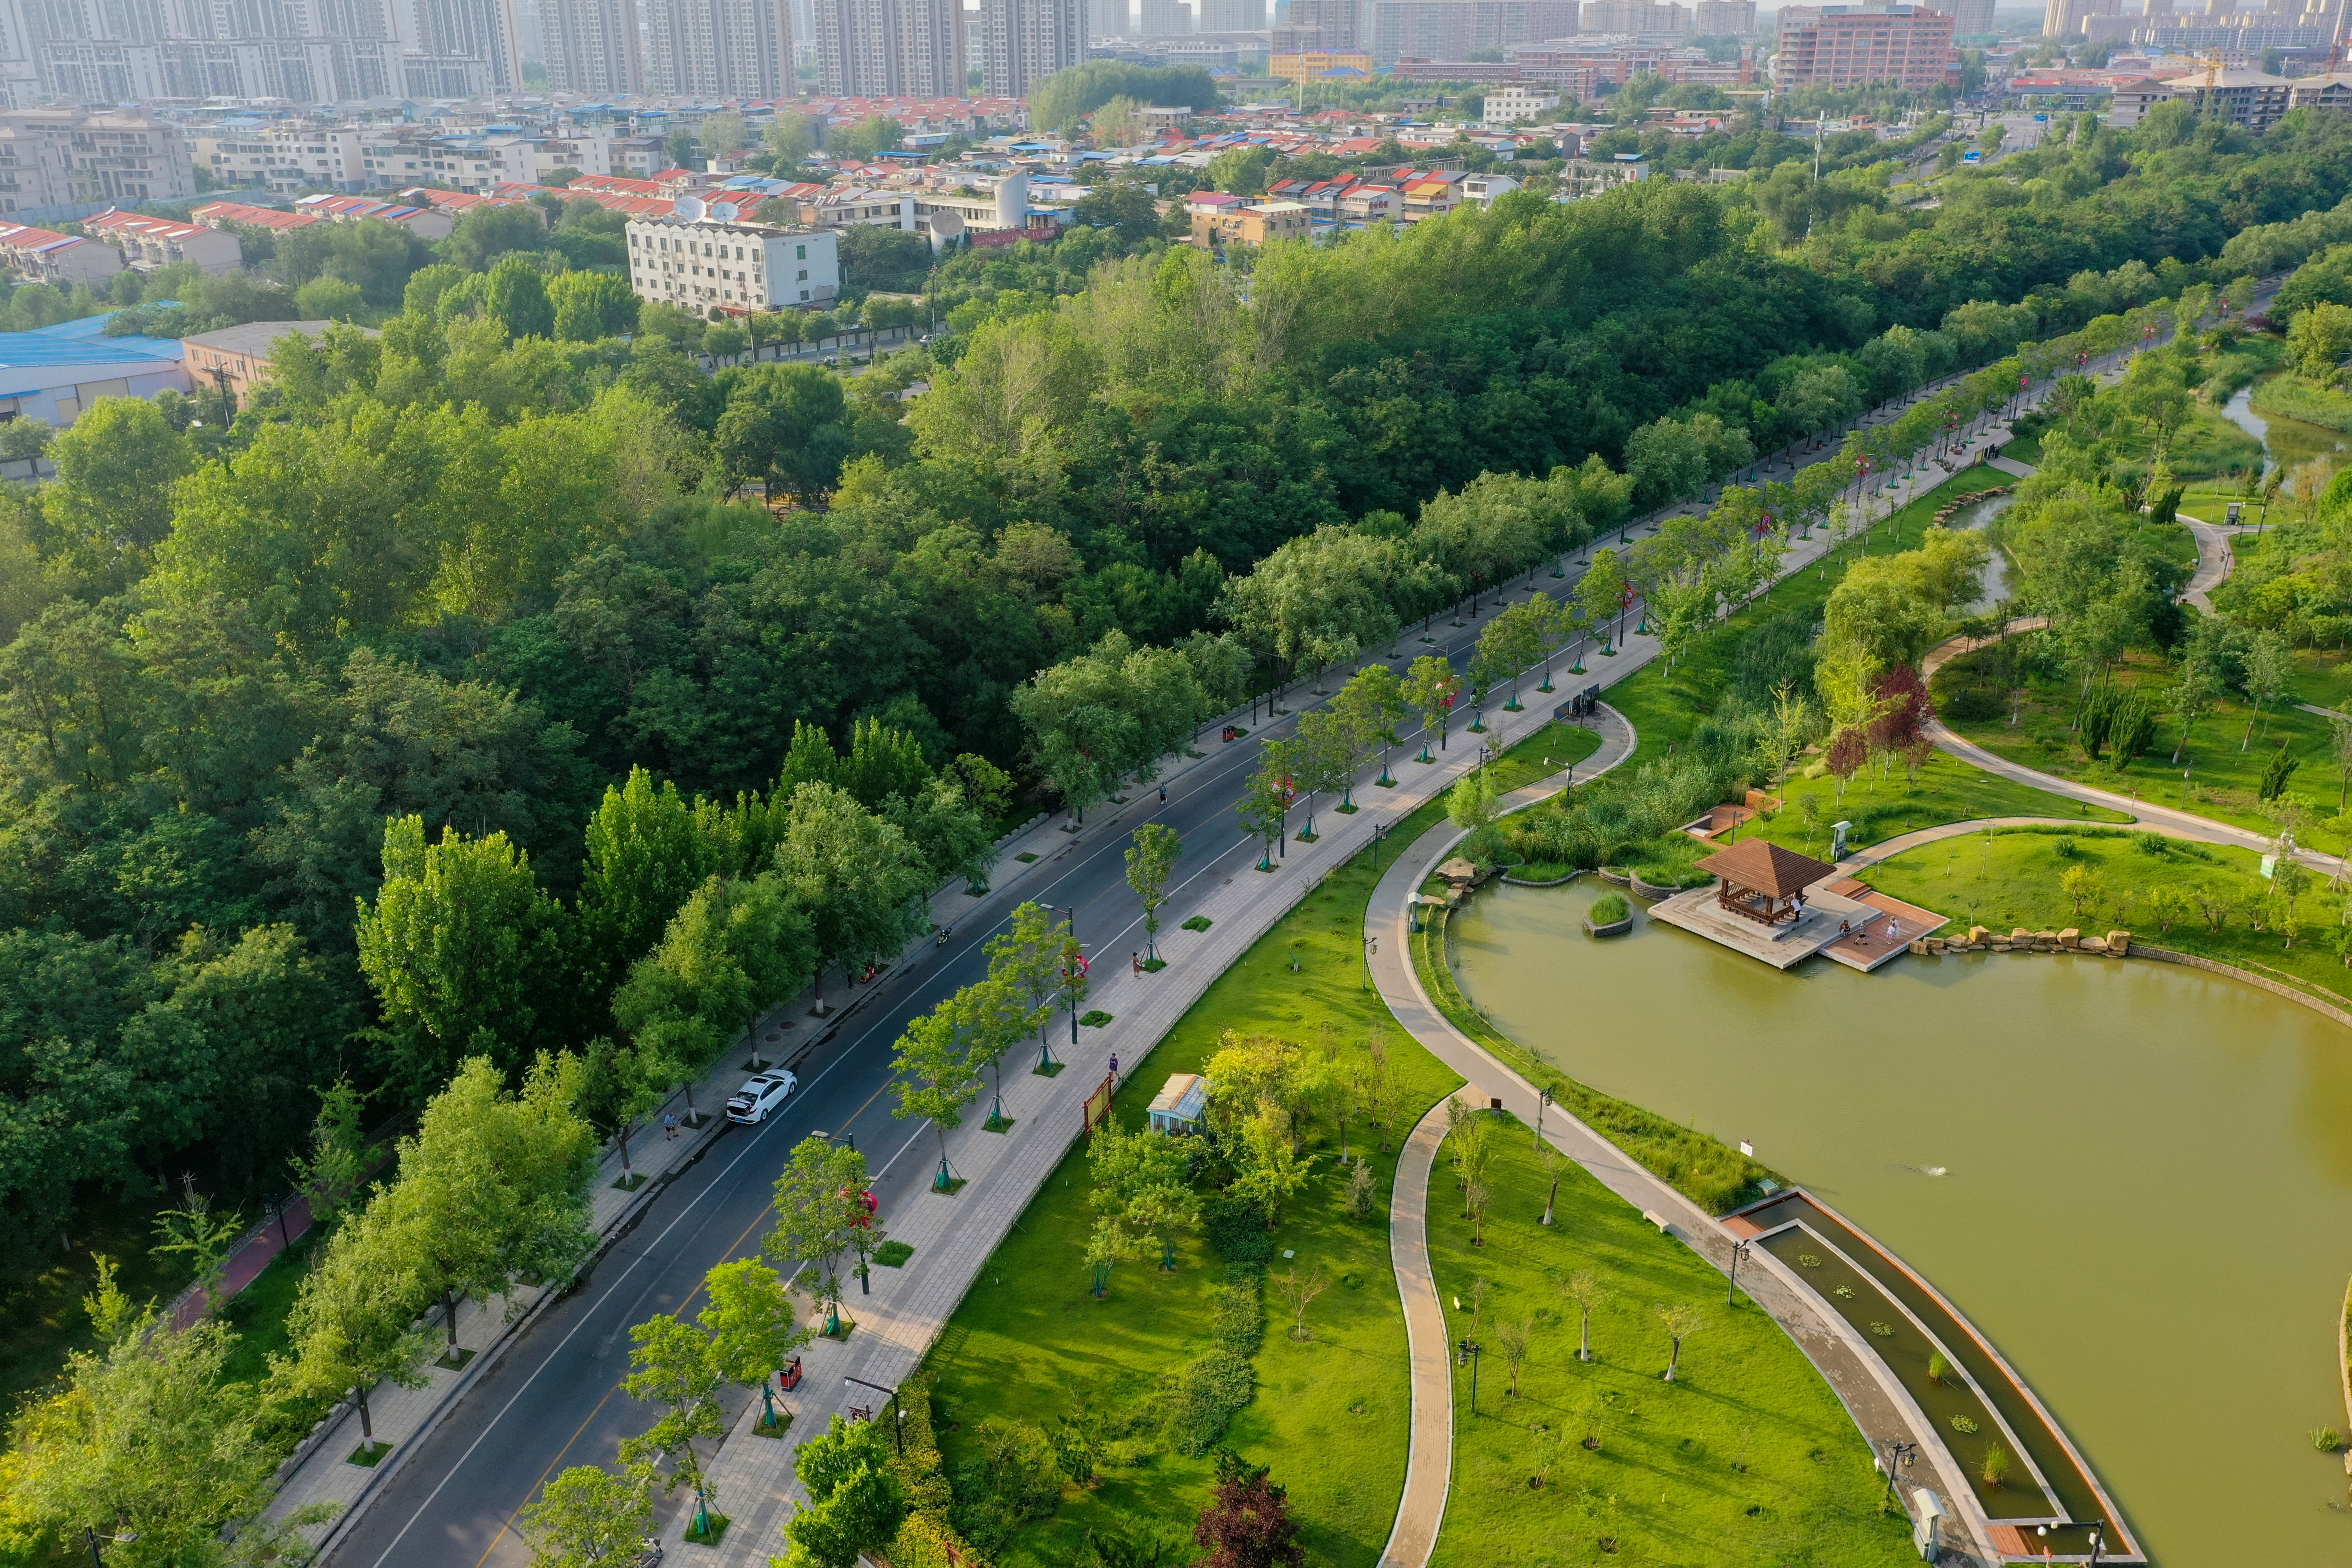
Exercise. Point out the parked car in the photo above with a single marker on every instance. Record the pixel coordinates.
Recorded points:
(752, 1103)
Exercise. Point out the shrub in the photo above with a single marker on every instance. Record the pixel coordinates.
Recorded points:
(1196, 1402)
(1238, 1233)
(2155, 844)
(1016, 1478)
(2326, 1439)
(1939, 1368)
(2064, 849)
(1609, 908)
(1995, 1469)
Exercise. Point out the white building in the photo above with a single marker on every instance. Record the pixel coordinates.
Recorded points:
(724, 267)
(147, 243)
(287, 158)
(1508, 104)
(65, 164)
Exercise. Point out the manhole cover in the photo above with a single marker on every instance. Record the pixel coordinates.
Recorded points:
(775, 1033)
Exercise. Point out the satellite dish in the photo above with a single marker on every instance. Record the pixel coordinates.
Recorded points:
(725, 211)
(688, 208)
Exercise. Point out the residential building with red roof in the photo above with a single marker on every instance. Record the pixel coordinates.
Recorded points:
(146, 243)
(44, 256)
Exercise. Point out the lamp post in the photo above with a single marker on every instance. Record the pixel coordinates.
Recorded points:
(1071, 915)
(1731, 1295)
(1898, 1453)
(898, 1415)
(1543, 1099)
(1470, 1359)
(1371, 950)
(2098, 1545)
(120, 1538)
(1380, 832)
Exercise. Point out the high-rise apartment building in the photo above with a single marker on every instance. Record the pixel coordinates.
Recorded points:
(1319, 26)
(1450, 30)
(1232, 16)
(593, 47)
(1849, 46)
(1110, 19)
(720, 49)
(480, 30)
(1638, 19)
(889, 48)
(1166, 20)
(1973, 19)
(63, 163)
(1736, 18)
(1023, 42)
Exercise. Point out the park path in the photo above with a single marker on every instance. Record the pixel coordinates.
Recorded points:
(1429, 1464)
(2147, 813)
(2216, 559)
(1874, 1410)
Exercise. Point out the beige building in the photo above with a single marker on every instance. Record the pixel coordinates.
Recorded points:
(1250, 225)
(233, 358)
(61, 260)
(65, 162)
(286, 159)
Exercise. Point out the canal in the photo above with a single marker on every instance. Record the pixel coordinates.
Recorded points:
(2136, 1178)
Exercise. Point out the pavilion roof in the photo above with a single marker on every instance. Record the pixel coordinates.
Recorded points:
(1767, 868)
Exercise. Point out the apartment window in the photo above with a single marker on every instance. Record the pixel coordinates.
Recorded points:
(800, 253)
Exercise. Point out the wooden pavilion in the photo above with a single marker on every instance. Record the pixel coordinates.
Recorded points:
(1763, 882)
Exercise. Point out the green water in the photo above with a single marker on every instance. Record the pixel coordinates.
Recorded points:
(2134, 1177)
(2288, 442)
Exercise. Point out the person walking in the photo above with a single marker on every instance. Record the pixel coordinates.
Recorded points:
(1135, 963)
(669, 1125)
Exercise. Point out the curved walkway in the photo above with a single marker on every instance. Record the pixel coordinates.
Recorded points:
(2215, 559)
(1421, 1512)
(2147, 814)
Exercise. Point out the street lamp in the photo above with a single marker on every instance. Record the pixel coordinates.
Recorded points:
(1371, 950)
(1470, 1359)
(1898, 1453)
(120, 1538)
(1543, 1098)
(1738, 1251)
(2098, 1545)
(898, 1414)
(1071, 915)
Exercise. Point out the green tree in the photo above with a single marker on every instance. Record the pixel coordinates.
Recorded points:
(672, 1368)
(329, 1176)
(1431, 688)
(1142, 1180)
(590, 306)
(463, 948)
(752, 1326)
(143, 1439)
(618, 1090)
(648, 848)
(735, 947)
(820, 1212)
(354, 1322)
(1027, 958)
(516, 298)
(790, 137)
(1270, 1169)
(1372, 704)
(493, 1187)
(1265, 798)
(110, 502)
(1098, 716)
(588, 1517)
(860, 881)
(994, 1022)
(1601, 593)
(1150, 861)
(856, 1502)
(936, 1077)
(1322, 759)
(782, 426)
(487, 233)
(1322, 599)
(2318, 339)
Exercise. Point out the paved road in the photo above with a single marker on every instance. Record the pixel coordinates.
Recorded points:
(552, 1400)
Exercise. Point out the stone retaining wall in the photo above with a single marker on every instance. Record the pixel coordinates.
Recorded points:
(2115, 944)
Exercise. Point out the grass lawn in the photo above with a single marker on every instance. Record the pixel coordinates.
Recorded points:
(1028, 1343)
(41, 1302)
(1946, 790)
(2223, 776)
(2013, 881)
(1746, 1458)
(1666, 707)
(259, 1311)
(2291, 396)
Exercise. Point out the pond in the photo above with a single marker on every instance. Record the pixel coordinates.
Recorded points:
(2289, 443)
(2136, 1178)
(1994, 583)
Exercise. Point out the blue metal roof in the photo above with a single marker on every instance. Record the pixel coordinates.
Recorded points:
(57, 356)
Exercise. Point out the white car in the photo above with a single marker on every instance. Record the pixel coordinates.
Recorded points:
(760, 1095)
